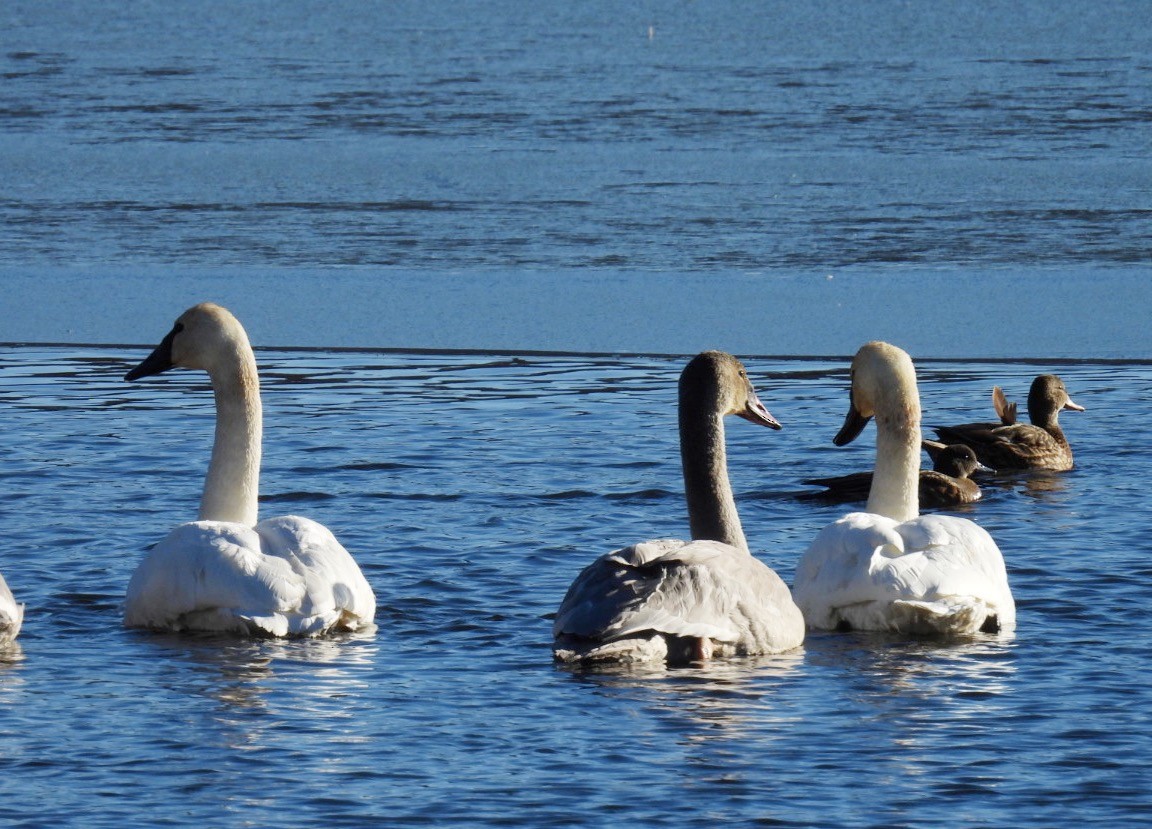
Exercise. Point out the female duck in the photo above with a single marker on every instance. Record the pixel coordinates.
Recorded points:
(1012, 445)
(225, 572)
(889, 568)
(11, 614)
(947, 484)
(682, 601)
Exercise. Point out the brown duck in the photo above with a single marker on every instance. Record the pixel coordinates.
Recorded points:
(1009, 445)
(946, 484)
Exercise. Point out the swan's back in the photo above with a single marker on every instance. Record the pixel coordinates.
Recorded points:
(286, 576)
(933, 574)
(660, 599)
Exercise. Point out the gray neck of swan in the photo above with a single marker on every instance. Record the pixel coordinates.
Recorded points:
(232, 485)
(711, 505)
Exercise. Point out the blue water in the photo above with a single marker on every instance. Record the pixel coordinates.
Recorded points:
(472, 489)
(371, 186)
(584, 177)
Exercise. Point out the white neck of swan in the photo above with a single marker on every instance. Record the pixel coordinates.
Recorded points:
(895, 489)
(232, 486)
(711, 505)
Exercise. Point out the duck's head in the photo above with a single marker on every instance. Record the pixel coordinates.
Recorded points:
(719, 381)
(205, 337)
(958, 460)
(883, 386)
(1047, 397)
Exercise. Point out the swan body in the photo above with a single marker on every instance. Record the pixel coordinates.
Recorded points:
(683, 601)
(11, 614)
(225, 572)
(889, 568)
(1009, 445)
(677, 601)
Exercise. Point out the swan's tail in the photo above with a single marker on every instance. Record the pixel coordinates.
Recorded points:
(636, 650)
(954, 616)
(588, 653)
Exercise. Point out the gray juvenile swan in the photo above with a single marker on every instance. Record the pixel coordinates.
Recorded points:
(225, 572)
(683, 601)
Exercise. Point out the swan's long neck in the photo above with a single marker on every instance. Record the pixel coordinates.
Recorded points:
(232, 485)
(895, 489)
(711, 505)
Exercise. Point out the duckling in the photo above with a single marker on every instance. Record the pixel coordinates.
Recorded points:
(947, 484)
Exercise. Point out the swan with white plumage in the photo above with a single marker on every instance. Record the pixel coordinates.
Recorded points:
(683, 601)
(226, 572)
(11, 614)
(890, 568)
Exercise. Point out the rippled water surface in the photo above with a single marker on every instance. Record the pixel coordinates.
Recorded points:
(475, 186)
(506, 175)
(472, 489)
(673, 135)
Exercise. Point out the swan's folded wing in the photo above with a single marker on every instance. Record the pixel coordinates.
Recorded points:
(834, 572)
(335, 590)
(690, 589)
(951, 557)
(611, 589)
(215, 570)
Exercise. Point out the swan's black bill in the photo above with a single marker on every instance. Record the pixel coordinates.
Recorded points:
(159, 360)
(854, 424)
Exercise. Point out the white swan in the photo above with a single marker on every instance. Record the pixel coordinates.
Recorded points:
(890, 568)
(284, 576)
(11, 614)
(681, 601)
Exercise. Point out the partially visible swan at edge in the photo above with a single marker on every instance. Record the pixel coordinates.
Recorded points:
(683, 601)
(225, 572)
(891, 569)
(11, 614)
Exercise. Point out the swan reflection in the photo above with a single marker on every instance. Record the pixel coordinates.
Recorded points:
(244, 674)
